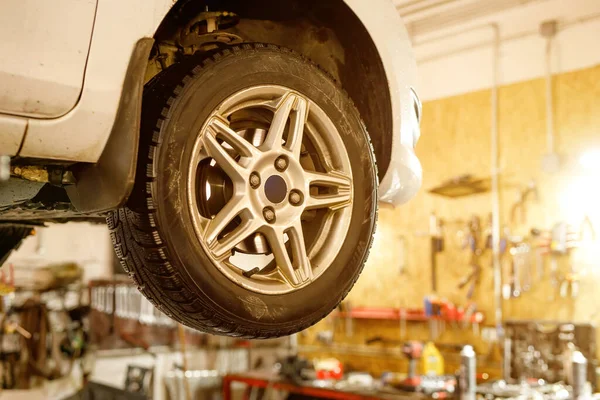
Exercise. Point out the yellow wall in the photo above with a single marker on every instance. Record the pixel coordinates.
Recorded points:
(455, 141)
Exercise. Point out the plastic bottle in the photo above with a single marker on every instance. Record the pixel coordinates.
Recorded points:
(433, 362)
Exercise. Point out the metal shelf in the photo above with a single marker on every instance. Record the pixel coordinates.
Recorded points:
(407, 314)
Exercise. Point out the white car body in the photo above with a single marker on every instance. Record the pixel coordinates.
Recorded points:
(64, 63)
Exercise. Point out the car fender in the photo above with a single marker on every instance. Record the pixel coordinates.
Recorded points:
(93, 118)
(403, 178)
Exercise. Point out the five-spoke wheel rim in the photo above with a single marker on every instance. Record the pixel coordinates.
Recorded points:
(270, 189)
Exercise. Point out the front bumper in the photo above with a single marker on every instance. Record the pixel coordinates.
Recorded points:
(403, 178)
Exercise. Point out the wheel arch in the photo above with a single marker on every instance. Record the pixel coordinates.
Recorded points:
(327, 32)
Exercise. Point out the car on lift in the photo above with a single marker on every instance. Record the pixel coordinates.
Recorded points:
(229, 145)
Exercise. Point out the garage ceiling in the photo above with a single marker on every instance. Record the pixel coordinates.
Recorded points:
(427, 16)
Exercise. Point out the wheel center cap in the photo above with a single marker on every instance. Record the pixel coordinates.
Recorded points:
(275, 189)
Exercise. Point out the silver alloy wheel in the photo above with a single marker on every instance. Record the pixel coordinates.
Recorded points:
(270, 189)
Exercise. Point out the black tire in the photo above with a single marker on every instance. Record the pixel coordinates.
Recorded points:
(154, 237)
(11, 237)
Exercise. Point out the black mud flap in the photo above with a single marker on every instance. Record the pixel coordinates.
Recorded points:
(107, 184)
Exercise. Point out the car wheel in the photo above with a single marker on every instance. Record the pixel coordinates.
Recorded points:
(256, 194)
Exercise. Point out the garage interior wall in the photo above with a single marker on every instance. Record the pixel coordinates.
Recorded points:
(455, 66)
(461, 123)
(455, 141)
(86, 244)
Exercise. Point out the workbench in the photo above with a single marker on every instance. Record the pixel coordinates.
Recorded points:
(273, 382)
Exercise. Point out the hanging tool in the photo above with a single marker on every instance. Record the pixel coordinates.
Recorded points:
(523, 251)
(557, 243)
(450, 313)
(587, 232)
(560, 238)
(516, 273)
(528, 272)
(558, 247)
(520, 206)
(542, 248)
(477, 319)
(503, 250)
(508, 267)
(402, 318)
(570, 281)
(433, 312)
(437, 246)
(473, 242)
(474, 277)
(539, 264)
(553, 275)
(468, 313)
(521, 273)
(489, 237)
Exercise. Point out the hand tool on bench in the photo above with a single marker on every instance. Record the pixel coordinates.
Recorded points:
(413, 351)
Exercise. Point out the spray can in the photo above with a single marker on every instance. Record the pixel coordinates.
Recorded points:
(579, 376)
(507, 359)
(467, 380)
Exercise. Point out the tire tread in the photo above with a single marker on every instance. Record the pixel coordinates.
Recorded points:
(134, 232)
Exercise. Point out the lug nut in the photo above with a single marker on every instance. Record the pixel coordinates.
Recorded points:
(295, 197)
(255, 180)
(281, 164)
(269, 214)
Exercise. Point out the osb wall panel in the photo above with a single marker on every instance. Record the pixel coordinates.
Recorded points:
(456, 140)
